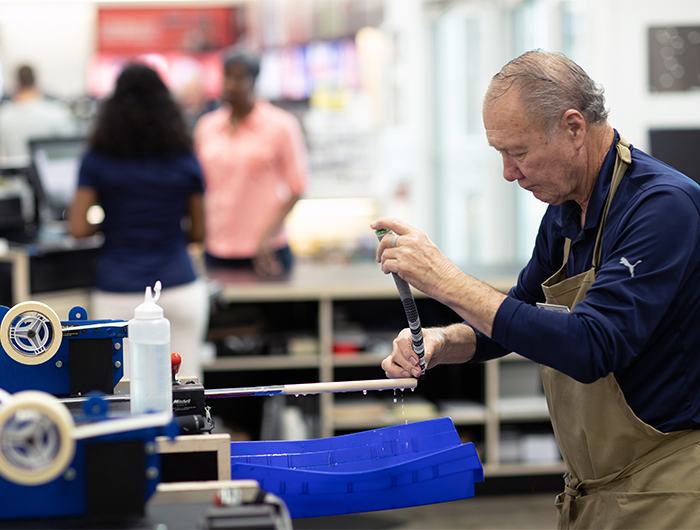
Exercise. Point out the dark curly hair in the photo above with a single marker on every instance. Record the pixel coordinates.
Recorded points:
(140, 118)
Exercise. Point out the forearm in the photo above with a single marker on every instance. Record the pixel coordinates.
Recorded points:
(473, 300)
(77, 213)
(195, 230)
(454, 344)
(83, 229)
(278, 221)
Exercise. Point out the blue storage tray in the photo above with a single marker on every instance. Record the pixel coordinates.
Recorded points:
(394, 467)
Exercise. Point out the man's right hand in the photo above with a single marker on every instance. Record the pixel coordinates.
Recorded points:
(449, 345)
(403, 362)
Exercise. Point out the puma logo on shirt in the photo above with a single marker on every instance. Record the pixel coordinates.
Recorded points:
(629, 265)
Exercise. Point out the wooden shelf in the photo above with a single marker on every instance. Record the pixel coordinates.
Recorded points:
(261, 362)
(472, 417)
(308, 282)
(360, 281)
(352, 424)
(523, 409)
(507, 470)
(332, 285)
(359, 360)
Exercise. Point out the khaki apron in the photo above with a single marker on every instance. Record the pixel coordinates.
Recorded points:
(622, 473)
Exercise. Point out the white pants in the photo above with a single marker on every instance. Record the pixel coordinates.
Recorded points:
(185, 306)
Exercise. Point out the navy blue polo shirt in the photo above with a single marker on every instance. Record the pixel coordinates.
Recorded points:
(144, 201)
(641, 317)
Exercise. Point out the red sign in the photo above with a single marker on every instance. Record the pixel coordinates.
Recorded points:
(187, 76)
(193, 30)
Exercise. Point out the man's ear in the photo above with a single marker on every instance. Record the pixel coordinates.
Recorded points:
(575, 125)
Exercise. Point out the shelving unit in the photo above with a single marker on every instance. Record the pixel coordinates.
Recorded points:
(362, 291)
(15, 268)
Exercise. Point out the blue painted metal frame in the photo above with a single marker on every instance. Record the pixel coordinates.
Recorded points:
(53, 376)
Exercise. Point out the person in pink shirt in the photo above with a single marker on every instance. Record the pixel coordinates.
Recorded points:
(253, 158)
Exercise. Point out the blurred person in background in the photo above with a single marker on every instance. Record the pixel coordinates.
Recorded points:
(253, 158)
(141, 170)
(30, 114)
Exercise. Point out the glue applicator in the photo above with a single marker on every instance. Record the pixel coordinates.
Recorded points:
(149, 356)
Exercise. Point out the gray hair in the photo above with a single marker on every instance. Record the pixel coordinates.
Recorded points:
(549, 84)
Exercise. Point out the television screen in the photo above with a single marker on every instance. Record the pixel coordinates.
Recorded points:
(678, 148)
(55, 163)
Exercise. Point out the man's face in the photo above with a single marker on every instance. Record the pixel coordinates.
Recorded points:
(543, 166)
(238, 85)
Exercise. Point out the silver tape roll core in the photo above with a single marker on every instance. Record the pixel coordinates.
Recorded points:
(30, 333)
(36, 438)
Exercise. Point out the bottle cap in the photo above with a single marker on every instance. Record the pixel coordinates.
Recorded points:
(149, 310)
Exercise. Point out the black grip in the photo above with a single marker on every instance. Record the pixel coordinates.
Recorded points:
(409, 307)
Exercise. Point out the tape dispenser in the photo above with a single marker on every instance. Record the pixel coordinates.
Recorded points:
(70, 358)
(55, 465)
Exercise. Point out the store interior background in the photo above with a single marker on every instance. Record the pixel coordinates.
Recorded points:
(389, 95)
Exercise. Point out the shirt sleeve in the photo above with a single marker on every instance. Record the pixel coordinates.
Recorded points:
(195, 170)
(86, 174)
(199, 139)
(528, 288)
(625, 304)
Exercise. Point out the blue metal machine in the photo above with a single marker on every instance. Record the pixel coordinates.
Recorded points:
(70, 358)
(94, 466)
(54, 463)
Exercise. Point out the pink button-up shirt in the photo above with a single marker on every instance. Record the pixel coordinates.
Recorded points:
(249, 175)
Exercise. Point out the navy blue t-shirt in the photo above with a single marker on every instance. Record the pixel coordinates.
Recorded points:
(144, 201)
(641, 317)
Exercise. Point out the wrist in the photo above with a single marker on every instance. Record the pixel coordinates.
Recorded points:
(458, 344)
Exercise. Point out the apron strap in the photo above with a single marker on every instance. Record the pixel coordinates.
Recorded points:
(622, 162)
(567, 250)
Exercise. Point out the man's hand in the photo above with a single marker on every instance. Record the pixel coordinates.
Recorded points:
(265, 263)
(453, 344)
(409, 253)
(403, 362)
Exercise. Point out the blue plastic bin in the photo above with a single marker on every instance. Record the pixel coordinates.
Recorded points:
(394, 467)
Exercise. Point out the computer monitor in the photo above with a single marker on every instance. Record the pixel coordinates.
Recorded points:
(53, 172)
(678, 148)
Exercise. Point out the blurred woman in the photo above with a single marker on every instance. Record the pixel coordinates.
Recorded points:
(141, 170)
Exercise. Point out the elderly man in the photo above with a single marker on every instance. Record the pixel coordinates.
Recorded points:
(617, 259)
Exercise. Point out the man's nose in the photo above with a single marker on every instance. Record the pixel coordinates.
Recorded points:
(510, 169)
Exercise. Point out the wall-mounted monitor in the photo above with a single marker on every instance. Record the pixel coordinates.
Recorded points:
(678, 148)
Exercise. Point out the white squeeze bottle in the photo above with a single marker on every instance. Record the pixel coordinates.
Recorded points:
(151, 386)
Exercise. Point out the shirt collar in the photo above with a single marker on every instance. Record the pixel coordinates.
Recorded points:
(250, 120)
(570, 210)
